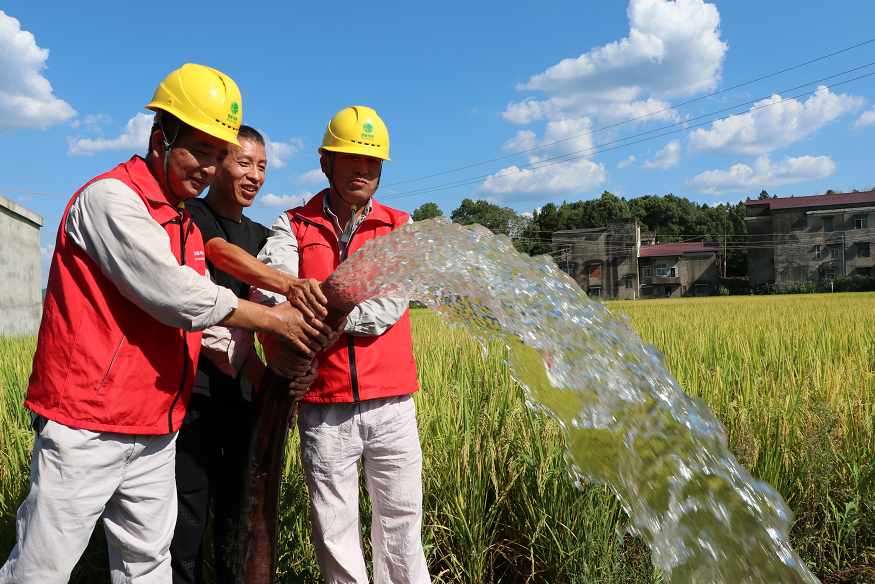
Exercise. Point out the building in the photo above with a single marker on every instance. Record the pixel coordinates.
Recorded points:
(20, 290)
(673, 270)
(807, 239)
(615, 262)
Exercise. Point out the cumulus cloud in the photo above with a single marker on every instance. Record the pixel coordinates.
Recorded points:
(673, 50)
(764, 173)
(134, 138)
(562, 136)
(45, 256)
(626, 163)
(312, 177)
(867, 119)
(272, 201)
(26, 95)
(766, 129)
(667, 157)
(279, 152)
(514, 184)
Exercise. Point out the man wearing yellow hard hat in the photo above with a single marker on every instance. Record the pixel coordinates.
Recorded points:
(126, 302)
(359, 412)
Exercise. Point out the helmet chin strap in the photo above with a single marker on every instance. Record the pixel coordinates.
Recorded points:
(347, 233)
(168, 146)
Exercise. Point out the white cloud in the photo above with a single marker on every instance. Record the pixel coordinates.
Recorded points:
(45, 256)
(764, 173)
(867, 119)
(560, 136)
(547, 182)
(26, 95)
(763, 130)
(272, 201)
(667, 157)
(626, 163)
(673, 50)
(312, 177)
(279, 152)
(134, 138)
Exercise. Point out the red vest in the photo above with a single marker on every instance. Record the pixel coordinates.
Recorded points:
(354, 368)
(101, 362)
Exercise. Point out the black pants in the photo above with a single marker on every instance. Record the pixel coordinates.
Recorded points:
(210, 465)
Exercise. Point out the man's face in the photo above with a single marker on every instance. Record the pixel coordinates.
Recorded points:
(194, 161)
(355, 176)
(242, 173)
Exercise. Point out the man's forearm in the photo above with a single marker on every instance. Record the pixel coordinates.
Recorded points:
(236, 261)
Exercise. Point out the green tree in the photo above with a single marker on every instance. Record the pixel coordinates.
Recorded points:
(489, 215)
(427, 211)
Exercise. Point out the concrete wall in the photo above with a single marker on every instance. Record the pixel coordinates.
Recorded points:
(20, 290)
(783, 246)
(601, 260)
(692, 269)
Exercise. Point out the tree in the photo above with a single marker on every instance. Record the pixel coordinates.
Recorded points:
(489, 215)
(763, 195)
(427, 211)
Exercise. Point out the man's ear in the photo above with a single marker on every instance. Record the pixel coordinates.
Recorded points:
(323, 162)
(157, 144)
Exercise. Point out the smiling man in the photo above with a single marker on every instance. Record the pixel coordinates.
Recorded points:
(126, 302)
(212, 445)
(359, 412)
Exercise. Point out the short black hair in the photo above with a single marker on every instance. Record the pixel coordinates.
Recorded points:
(170, 126)
(251, 134)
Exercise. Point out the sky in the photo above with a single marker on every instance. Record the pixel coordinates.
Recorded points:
(517, 103)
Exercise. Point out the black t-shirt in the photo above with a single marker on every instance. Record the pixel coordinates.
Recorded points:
(250, 236)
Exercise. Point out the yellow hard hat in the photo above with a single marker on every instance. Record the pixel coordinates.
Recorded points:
(357, 130)
(203, 98)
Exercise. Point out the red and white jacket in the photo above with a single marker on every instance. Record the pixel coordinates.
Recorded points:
(355, 368)
(102, 363)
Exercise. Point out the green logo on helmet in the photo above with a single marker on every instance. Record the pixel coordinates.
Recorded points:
(368, 128)
(235, 107)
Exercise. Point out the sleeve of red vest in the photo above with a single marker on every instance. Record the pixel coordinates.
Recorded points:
(112, 225)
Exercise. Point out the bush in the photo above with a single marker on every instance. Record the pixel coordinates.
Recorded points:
(720, 290)
(735, 286)
(766, 288)
(802, 288)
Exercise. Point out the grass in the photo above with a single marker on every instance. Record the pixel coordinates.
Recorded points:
(791, 377)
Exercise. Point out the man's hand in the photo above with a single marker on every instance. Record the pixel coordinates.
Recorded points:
(307, 296)
(284, 360)
(305, 334)
(299, 386)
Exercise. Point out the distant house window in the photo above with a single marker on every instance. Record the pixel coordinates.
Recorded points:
(628, 282)
(701, 289)
(864, 271)
(661, 270)
(595, 292)
(830, 274)
(645, 272)
(595, 271)
(827, 223)
(647, 291)
(862, 250)
(672, 272)
(834, 253)
(861, 221)
(817, 252)
(664, 290)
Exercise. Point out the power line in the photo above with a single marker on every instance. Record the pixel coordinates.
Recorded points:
(34, 193)
(637, 118)
(541, 164)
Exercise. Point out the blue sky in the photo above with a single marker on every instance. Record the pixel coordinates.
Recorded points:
(458, 84)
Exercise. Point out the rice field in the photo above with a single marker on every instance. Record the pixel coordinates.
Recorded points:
(791, 377)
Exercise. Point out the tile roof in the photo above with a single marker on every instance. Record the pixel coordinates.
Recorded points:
(816, 201)
(659, 250)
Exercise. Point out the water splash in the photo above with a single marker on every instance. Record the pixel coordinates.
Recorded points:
(627, 422)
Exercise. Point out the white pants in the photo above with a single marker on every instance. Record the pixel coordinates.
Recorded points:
(380, 435)
(77, 475)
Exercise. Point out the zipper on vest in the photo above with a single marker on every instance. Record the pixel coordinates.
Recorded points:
(183, 236)
(353, 375)
(117, 349)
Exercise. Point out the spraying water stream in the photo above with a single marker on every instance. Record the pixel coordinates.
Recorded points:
(627, 422)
